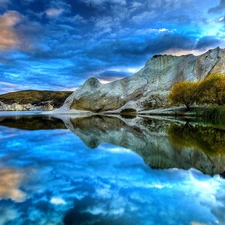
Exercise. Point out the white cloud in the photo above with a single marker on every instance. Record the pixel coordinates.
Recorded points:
(78, 19)
(52, 12)
(57, 201)
(144, 16)
(222, 19)
(106, 24)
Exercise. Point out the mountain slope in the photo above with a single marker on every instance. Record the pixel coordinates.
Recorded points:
(148, 86)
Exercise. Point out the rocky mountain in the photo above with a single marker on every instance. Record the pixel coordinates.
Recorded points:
(148, 87)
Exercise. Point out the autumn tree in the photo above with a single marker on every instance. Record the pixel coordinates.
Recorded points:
(185, 92)
(212, 90)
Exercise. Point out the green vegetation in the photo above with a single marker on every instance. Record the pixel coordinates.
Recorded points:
(214, 113)
(56, 98)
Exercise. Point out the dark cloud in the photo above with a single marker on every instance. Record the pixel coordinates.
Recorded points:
(157, 44)
(218, 8)
(111, 75)
(207, 42)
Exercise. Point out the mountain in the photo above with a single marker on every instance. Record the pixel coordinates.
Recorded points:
(148, 87)
(33, 100)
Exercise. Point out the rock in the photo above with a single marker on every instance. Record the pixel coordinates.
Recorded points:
(17, 107)
(47, 107)
(25, 107)
(148, 86)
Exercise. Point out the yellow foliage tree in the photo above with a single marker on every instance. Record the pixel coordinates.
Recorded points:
(185, 92)
(212, 90)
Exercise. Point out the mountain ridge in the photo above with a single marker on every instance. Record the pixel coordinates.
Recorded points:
(149, 86)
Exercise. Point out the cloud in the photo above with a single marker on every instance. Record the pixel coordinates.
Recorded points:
(106, 25)
(78, 19)
(207, 42)
(144, 16)
(52, 12)
(4, 3)
(11, 181)
(8, 36)
(7, 215)
(57, 201)
(111, 75)
(100, 4)
(219, 8)
(221, 19)
(10, 87)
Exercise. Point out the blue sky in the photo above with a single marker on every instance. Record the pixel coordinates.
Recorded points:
(58, 44)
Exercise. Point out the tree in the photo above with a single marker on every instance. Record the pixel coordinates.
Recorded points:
(212, 90)
(185, 92)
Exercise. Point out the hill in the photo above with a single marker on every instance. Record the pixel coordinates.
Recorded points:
(37, 98)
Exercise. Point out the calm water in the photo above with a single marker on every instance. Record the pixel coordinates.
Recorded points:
(105, 170)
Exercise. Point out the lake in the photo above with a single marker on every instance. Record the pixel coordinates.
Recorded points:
(66, 170)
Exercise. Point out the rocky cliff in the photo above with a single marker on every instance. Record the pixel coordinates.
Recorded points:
(149, 86)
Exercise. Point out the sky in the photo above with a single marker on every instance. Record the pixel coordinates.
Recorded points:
(58, 44)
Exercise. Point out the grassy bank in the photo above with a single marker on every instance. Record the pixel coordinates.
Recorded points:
(214, 113)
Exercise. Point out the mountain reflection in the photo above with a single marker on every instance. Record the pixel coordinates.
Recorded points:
(162, 144)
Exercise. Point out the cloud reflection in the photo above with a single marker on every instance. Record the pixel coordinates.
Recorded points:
(10, 184)
(64, 182)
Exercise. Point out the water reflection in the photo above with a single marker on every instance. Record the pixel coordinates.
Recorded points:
(208, 139)
(51, 177)
(162, 144)
(32, 122)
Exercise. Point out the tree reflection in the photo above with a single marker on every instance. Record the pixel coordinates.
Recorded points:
(209, 139)
(32, 122)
